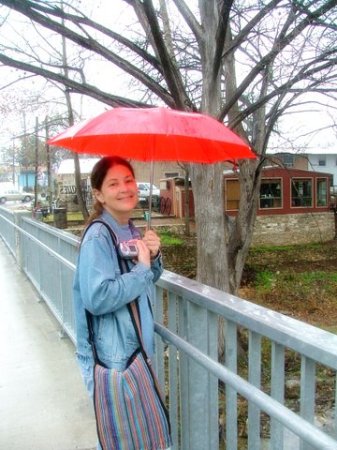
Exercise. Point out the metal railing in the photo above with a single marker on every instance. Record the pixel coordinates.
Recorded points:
(207, 399)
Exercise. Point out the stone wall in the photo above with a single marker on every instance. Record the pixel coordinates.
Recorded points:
(294, 228)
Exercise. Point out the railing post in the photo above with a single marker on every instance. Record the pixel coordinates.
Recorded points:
(277, 392)
(254, 376)
(231, 351)
(17, 216)
(201, 385)
(308, 382)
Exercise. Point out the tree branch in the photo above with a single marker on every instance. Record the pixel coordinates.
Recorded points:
(278, 46)
(171, 72)
(191, 21)
(302, 75)
(250, 25)
(81, 88)
(25, 7)
(83, 20)
(221, 35)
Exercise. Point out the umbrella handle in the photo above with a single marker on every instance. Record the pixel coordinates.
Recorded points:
(148, 226)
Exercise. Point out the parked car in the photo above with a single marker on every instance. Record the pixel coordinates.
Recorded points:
(13, 194)
(144, 193)
(144, 190)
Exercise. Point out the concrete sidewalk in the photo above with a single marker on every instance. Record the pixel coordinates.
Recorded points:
(43, 402)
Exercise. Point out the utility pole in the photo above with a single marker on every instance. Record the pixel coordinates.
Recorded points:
(50, 189)
(36, 158)
(13, 168)
(25, 147)
(81, 201)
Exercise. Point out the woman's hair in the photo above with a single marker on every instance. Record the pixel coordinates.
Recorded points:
(98, 174)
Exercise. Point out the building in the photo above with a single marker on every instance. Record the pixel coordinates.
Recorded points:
(66, 188)
(294, 204)
(283, 191)
(320, 160)
(65, 176)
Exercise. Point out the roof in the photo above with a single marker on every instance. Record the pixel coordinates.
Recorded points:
(291, 171)
(307, 151)
(67, 166)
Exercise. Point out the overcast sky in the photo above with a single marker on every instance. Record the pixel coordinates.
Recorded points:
(298, 130)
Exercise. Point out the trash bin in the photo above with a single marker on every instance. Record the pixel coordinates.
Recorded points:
(38, 214)
(60, 217)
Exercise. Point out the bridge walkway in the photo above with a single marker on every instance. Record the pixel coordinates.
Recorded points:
(43, 402)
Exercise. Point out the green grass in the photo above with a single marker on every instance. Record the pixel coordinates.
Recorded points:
(169, 239)
(71, 217)
(321, 277)
(265, 280)
(261, 249)
(74, 216)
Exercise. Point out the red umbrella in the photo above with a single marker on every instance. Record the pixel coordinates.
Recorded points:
(155, 134)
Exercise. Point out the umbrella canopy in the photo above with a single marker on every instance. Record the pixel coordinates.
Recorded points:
(155, 134)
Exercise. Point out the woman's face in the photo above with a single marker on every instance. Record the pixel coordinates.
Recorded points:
(118, 193)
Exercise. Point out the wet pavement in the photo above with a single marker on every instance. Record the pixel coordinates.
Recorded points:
(43, 402)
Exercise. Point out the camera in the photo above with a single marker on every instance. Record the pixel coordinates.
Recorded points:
(128, 249)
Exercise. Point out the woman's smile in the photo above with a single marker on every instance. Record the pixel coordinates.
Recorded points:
(119, 193)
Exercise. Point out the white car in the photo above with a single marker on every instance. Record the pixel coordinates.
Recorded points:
(13, 194)
(144, 194)
(144, 190)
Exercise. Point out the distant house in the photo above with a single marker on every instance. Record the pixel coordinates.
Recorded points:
(65, 176)
(283, 191)
(294, 204)
(324, 161)
(66, 169)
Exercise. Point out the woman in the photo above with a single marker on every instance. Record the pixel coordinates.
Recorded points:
(99, 286)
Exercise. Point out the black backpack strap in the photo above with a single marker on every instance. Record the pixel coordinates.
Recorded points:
(113, 237)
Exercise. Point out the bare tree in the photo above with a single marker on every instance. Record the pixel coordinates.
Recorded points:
(245, 63)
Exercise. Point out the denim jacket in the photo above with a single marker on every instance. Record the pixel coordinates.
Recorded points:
(100, 288)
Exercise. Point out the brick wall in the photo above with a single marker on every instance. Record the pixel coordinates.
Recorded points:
(294, 228)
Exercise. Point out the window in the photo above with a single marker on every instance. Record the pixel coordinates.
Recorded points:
(270, 193)
(321, 161)
(321, 192)
(232, 194)
(171, 174)
(287, 159)
(301, 192)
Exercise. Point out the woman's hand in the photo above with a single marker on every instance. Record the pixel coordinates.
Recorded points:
(152, 241)
(144, 255)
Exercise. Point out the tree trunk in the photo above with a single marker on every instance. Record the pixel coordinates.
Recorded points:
(212, 269)
(187, 202)
(211, 244)
(207, 180)
(240, 231)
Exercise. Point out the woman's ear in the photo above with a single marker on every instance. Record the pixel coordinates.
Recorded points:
(98, 195)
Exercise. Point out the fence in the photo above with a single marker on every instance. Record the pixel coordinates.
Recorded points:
(207, 399)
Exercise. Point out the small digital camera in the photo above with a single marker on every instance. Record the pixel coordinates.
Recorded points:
(128, 250)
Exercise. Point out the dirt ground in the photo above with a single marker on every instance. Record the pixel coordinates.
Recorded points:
(303, 281)
(299, 280)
